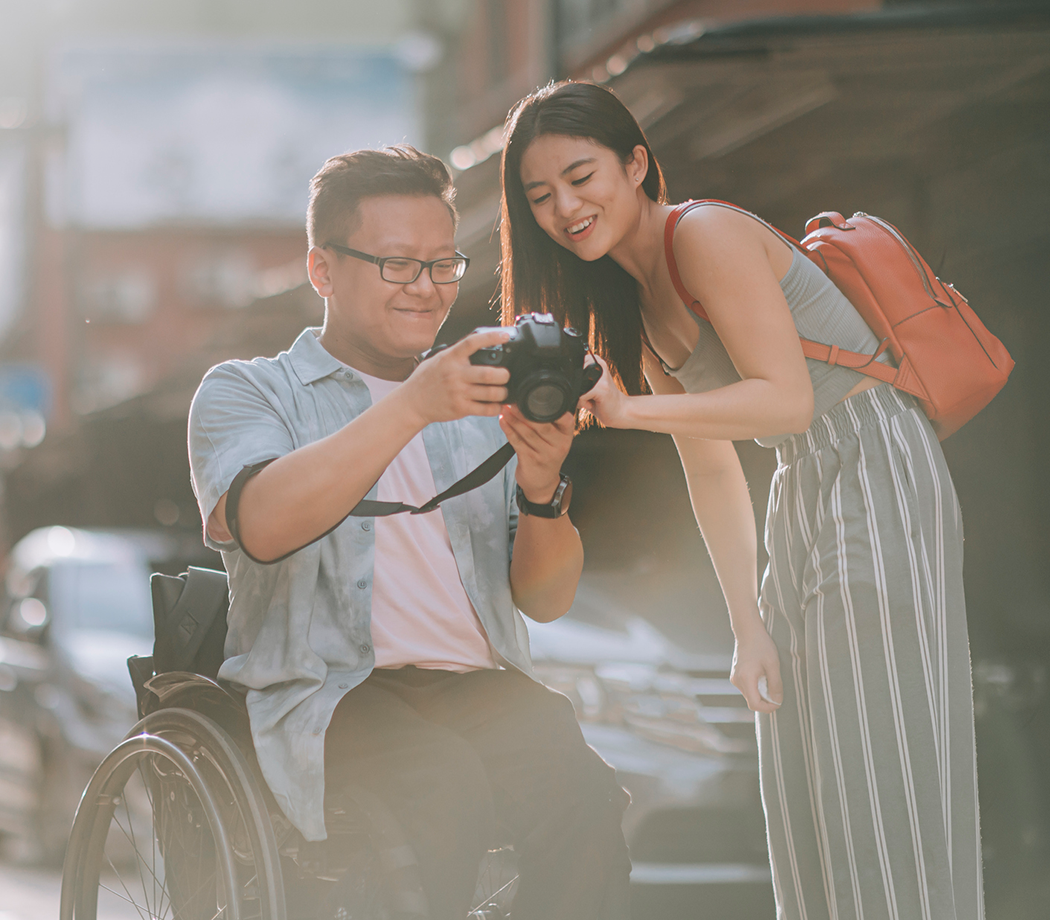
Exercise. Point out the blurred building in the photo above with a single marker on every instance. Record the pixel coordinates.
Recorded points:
(154, 164)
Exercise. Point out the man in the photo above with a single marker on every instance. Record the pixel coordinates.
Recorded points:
(389, 652)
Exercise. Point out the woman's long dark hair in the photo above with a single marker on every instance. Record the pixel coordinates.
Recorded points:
(599, 297)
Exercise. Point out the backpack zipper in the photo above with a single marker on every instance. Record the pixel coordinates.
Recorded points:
(889, 228)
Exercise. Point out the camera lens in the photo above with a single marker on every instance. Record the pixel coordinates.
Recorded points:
(544, 397)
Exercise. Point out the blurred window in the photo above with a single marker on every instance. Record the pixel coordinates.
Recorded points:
(111, 596)
(578, 19)
(123, 296)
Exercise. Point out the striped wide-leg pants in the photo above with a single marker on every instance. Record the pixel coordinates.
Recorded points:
(869, 777)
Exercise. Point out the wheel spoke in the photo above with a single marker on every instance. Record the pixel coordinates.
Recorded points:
(200, 888)
(115, 893)
(140, 862)
(158, 887)
(129, 897)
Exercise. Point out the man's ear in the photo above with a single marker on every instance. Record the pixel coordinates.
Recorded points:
(317, 267)
(637, 166)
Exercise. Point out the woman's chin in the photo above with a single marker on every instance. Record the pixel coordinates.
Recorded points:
(588, 251)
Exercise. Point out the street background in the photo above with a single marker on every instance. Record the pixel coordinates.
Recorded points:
(154, 161)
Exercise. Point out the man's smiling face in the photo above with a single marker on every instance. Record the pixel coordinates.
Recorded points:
(381, 320)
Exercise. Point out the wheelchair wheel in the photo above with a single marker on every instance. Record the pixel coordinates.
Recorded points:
(497, 885)
(173, 825)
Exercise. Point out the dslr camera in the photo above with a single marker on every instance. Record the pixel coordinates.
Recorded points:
(547, 376)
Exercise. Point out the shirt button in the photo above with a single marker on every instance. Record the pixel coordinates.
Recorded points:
(362, 584)
(344, 686)
(366, 526)
(365, 649)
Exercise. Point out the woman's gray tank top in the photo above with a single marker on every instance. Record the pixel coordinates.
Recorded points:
(821, 313)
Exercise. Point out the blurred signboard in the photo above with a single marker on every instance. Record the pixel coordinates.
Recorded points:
(25, 404)
(214, 134)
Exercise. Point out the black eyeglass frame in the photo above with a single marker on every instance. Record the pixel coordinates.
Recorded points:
(382, 260)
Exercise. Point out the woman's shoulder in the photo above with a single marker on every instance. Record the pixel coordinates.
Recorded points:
(714, 216)
(712, 226)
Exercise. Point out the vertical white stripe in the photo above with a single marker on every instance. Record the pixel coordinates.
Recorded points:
(940, 610)
(896, 700)
(858, 693)
(810, 745)
(783, 797)
(934, 579)
(835, 747)
(800, 677)
(881, 843)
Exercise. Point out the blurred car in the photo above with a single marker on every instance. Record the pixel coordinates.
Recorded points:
(679, 735)
(76, 605)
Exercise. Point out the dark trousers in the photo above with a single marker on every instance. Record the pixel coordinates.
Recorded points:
(471, 761)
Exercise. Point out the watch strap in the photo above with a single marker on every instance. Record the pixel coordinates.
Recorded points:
(555, 508)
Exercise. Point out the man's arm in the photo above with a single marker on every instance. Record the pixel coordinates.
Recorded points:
(308, 491)
(548, 556)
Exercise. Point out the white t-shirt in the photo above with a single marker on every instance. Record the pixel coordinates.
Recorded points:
(421, 614)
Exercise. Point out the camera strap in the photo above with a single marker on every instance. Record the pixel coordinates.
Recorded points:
(366, 507)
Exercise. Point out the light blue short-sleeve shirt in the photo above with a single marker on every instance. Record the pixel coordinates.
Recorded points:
(299, 630)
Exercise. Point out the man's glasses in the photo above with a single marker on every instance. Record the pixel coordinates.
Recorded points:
(402, 270)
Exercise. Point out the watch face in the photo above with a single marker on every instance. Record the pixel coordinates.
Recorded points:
(566, 496)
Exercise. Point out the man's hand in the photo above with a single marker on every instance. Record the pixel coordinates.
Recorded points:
(448, 387)
(541, 448)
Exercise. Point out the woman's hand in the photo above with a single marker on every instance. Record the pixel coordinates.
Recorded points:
(605, 401)
(755, 657)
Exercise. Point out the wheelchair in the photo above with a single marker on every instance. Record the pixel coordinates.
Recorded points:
(177, 822)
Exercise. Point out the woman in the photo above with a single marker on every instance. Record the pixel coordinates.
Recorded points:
(855, 651)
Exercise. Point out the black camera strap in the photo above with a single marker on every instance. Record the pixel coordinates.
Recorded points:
(478, 476)
(366, 507)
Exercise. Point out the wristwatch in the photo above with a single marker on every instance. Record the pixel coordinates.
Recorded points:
(555, 508)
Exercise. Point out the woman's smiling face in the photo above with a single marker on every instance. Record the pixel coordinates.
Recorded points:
(580, 192)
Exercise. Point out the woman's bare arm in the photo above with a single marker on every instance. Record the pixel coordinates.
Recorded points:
(721, 504)
(724, 258)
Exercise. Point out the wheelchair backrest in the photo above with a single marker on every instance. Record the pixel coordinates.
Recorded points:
(189, 621)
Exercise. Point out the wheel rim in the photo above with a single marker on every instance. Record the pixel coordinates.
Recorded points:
(151, 842)
(157, 847)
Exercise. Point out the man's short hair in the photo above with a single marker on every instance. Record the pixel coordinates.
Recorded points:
(343, 181)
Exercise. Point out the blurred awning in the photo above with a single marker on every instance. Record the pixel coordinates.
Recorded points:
(763, 112)
(789, 115)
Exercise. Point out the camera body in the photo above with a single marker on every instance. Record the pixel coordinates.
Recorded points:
(547, 376)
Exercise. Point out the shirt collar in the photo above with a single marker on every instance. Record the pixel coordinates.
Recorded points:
(309, 359)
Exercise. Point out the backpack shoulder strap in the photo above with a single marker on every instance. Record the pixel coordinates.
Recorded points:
(829, 354)
(672, 264)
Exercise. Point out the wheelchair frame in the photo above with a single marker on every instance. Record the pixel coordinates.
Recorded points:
(189, 765)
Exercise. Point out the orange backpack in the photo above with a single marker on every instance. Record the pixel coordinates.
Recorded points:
(945, 356)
